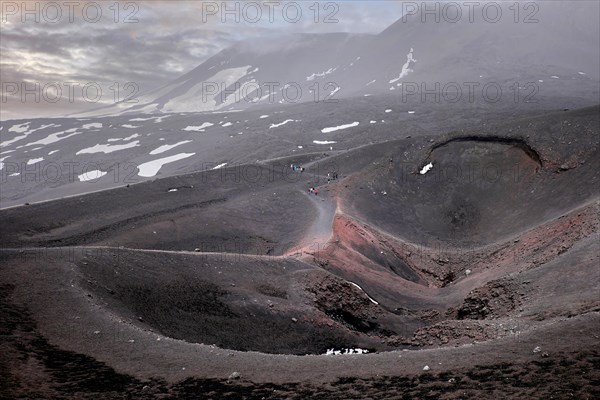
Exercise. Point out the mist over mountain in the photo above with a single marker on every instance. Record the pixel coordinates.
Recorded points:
(551, 49)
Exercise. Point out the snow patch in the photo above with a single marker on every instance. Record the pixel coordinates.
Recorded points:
(19, 128)
(320, 74)
(426, 169)
(55, 137)
(333, 352)
(1, 163)
(26, 133)
(93, 125)
(135, 135)
(151, 168)
(361, 289)
(323, 142)
(406, 67)
(337, 128)
(168, 147)
(91, 175)
(35, 160)
(108, 148)
(156, 119)
(282, 123)
(198, 128)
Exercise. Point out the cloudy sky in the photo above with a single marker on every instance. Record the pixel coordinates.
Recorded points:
(96, 45)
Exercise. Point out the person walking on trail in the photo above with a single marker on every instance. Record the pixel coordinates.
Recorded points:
(316, 191)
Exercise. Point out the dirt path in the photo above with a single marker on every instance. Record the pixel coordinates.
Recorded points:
(321, 230)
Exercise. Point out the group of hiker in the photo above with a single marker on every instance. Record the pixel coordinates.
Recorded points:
(313, 190)
(296, 168)
(332, 176)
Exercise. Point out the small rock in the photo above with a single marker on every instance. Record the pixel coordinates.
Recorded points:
(426, 368)
(467, 272)
(537, 349)
(197, 250)
(294, 320)
(545, 355)
(235, 376)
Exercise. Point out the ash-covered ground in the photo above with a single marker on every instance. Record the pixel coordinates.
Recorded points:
(475, 277)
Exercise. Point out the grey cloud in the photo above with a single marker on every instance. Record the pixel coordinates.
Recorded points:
(169, 40)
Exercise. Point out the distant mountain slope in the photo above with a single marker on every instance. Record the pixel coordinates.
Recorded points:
(558, 54)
